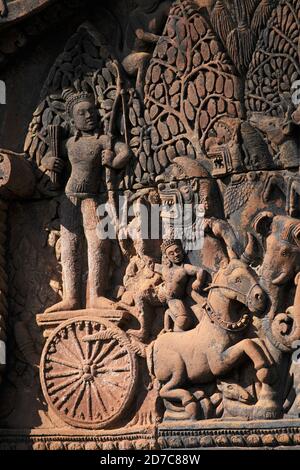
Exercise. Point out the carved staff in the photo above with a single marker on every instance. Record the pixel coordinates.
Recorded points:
(113, 117)
(55, 139)
(120, 97)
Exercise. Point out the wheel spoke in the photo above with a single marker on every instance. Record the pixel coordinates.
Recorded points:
(100, 400)
(63, 385)
(78, 345)
(112, 383)
(89, 400)
(78, 399)
(111, 394)
(117, 355)
(60, 375)
(69, 394)
(96, 351)
(72, 353)
(88, 343)
(110, 346)
(62, 362)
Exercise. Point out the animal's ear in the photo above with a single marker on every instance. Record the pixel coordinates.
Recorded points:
(262, 223)
(224, 263)
(195, 184)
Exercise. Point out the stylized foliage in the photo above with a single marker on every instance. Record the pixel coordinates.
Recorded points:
(190, 85)
(238, 25)
(275, 64)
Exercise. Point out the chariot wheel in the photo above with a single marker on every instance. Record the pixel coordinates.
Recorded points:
(88, 372)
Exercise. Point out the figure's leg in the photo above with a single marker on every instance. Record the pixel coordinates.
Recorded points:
(179, 312)
(98, 258)
(71, 260)
(167, 321)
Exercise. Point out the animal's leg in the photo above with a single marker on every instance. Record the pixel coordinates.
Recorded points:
(223, 363)
(169, 391)
(266, 407)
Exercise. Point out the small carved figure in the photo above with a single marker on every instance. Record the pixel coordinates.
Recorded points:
(87, 152)
(176, 275)
(144, 28)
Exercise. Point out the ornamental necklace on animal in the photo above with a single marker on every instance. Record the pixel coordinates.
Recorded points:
(215, 317)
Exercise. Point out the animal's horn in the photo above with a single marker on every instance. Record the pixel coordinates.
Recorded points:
(249, 254)
(222, 230)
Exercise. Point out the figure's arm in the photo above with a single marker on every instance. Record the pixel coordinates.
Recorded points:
(146, 37)
(51, 163)
(117, 159)
(199, 273)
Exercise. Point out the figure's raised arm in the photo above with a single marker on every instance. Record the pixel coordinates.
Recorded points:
(199, 273)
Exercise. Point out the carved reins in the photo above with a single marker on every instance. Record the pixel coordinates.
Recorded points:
(244, 295)
(215, 317)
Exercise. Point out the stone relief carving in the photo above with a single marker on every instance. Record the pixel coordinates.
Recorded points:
(191, 111)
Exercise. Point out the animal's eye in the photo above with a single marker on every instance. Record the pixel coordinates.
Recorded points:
(230, 387)
(285, 253)
(238, 280)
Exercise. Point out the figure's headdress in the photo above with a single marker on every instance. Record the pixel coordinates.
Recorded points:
(171, 242)
(72, 98)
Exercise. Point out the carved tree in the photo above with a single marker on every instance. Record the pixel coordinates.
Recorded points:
(190, 86)
(275, 63)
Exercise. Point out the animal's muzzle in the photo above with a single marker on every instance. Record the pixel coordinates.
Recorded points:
(257, 300)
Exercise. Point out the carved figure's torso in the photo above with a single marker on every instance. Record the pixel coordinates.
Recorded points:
(85, 158)
(175, 281)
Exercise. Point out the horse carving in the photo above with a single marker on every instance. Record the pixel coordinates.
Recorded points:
(219, 343)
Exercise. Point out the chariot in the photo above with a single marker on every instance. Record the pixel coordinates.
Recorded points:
(88, 368)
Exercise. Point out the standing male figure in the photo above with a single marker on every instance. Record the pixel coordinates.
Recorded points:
(87, 153)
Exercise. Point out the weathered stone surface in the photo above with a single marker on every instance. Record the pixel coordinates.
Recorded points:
(149, 224)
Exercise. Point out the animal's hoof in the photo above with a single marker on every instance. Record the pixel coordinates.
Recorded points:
(264, 409)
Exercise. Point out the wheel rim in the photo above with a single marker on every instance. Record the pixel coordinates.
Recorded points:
(88, 383)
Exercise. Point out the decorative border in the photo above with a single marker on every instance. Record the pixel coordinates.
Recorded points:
(226, 434)
(67, 439)
(229, 434)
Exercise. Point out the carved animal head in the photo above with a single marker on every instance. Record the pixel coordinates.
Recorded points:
(281, 236)
(186, 182)
(237, 281)
(277, 129)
